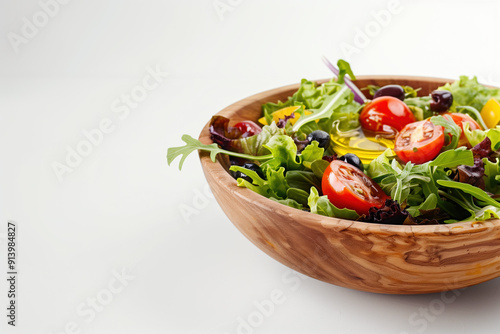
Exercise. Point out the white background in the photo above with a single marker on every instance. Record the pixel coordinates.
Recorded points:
(119, 208)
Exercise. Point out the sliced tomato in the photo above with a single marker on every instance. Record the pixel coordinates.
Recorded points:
(348, 187)
(419, 142)
(248, 128)
(385, 111)
(459, 119)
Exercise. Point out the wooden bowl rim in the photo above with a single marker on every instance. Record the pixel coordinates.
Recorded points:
(220, 175)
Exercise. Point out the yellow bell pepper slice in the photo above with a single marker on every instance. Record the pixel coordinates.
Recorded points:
(281, 113)
(491, 113)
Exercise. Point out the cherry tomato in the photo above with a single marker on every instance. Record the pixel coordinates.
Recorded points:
(248, 128)
(348, 187)
(459, 119)
(385, 111)
(419, 142)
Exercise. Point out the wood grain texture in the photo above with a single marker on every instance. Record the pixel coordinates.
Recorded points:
(369, 257)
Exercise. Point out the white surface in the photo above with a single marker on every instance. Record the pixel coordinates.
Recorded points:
(120, 208)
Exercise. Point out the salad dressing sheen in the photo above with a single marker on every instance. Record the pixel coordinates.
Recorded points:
(367, 146)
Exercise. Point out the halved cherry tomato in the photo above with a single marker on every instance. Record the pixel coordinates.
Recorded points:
(348, 187)
(419, 142)
(248, 128)
(459, 118)
(385, 111)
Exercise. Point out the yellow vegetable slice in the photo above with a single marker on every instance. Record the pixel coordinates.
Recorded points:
(281, 113)
(491, 113)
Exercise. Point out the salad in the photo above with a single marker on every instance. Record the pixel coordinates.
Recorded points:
(397, 158)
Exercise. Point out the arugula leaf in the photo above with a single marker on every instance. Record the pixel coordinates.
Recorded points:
(344, 68)
(396, 180)
(322, 206)
(453, 158)
(471, 190)
(449, 128)
(194, 144)
(430, 203)
(416, 183)
(330, 103)
(466, 203)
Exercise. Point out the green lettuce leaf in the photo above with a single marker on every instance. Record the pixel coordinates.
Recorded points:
(254, 145)
(289, 202)
(303, 180)
(477, 136)
(284, 153)
(492, 176)
(298, 195)
(468, 92)
(311, 153)
(322, 206)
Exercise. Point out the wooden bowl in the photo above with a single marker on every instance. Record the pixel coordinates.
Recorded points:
(370, 257)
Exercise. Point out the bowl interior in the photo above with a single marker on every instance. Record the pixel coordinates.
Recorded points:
(250, 109)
